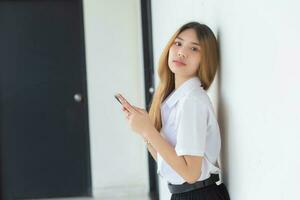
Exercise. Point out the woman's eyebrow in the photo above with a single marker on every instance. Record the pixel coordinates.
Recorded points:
(195, 43)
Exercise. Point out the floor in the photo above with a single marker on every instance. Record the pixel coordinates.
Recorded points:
(102, 198)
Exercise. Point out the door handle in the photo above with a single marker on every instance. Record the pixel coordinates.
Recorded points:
(78, 97)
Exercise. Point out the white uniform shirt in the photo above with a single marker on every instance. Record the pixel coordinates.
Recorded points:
(189, 124)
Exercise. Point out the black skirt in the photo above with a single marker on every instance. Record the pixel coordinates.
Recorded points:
(211, 192)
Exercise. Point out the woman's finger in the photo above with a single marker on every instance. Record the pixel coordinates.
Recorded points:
(138, 109)
(127, 105)
(127, 115)
(125, 110)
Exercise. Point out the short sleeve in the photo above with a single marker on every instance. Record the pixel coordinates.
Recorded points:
(192, 128)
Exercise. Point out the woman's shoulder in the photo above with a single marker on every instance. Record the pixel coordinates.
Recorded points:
(197, 99)
(197, 95)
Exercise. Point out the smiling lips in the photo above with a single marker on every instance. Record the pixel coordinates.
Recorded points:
(178, 63)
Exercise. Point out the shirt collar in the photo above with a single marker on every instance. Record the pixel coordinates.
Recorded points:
(183, 89)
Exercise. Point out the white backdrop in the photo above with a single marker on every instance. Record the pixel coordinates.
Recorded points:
(256, 93)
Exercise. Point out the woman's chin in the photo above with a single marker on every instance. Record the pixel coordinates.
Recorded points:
(176, 69)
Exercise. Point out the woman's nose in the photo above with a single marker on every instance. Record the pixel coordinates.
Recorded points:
(181, 53)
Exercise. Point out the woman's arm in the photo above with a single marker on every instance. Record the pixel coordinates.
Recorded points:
(152, 151)
(188, 167)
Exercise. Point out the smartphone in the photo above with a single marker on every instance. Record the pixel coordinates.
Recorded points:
(120, 98)
(117, 97)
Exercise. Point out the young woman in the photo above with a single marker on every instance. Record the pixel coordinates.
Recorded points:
(181, 129)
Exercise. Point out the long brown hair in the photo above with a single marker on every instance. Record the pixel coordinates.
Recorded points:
(206, 73)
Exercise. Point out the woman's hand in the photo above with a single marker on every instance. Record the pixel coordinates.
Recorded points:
(138, 119)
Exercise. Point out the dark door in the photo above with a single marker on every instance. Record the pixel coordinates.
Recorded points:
(43, 100)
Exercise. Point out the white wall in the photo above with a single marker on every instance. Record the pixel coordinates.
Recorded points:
(114, 64)
(256, 93)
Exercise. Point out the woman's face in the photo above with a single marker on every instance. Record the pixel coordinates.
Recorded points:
(184, 54)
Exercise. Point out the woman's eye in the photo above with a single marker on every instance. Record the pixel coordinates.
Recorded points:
(194, 49)
(177, 43)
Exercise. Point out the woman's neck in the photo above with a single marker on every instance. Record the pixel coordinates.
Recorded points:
(180, 80)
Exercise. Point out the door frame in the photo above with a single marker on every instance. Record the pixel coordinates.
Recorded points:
(149, 85)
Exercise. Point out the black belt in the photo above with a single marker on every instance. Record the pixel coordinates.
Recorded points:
(185, 187)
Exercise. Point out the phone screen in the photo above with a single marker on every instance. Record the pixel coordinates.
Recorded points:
(121, 99)
(116, 96)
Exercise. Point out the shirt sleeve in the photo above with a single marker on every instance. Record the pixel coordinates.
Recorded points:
(192, 128)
